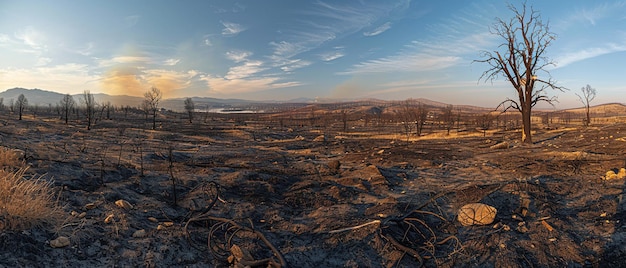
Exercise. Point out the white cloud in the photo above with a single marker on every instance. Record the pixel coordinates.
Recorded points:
(87, 50)
(32, 38)
(238, 55)
(378, 30)
(295, 64)
(42, 61)
(171, 62)
(232, 28)
(246, 70)
(331, 56)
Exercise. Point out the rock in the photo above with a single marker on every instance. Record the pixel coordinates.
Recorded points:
(109, 219)
(82, 215)
(90, 206)
(500, 146)
(153, 219)
(622, 173)
(320, 138)
(139, 233)
(334, 166)
(60, 242)
(123, 204)
(476, 214)
(168, 224)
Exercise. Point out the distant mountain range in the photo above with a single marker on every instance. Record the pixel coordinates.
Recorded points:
(43, 97)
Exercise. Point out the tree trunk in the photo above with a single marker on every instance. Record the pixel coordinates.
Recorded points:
(588, 122)
(526, 136)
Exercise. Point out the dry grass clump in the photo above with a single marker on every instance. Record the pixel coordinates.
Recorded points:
(24, 203)
(9, 158)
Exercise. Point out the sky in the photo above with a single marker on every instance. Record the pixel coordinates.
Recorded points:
(285, 49)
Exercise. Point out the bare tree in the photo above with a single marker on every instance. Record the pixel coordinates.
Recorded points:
(520, 59)
(152, 99)
(67, 104)
(588, 94)
(90, 108)
(420, 116)
(21, 104)
(190, 107)
(447, 116)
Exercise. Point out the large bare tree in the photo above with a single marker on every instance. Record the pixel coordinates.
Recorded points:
(152, 99)
(588, 94)
(521, 60)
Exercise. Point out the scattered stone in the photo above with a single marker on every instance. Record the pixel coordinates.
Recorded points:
(74, 213)
(320, 138)
(153, 219)
(60, 242)
(82, 215)
(90, 206)
(500, 146)
(109, 219)
(168, 224)
(123, 204)
(476, 214)
(139, 233)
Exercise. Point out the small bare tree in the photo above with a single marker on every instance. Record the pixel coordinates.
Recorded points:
(67, 104)
(152, 99)
(447, 116)
(90, 108)
(520, 59)
(588, 94)
(21, 104)
(190, 107)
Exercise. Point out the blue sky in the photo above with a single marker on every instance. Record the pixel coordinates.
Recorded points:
(285, 49)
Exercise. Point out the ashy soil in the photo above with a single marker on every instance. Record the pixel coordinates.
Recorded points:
(278, 196)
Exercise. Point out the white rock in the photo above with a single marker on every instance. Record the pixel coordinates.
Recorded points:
(123, 204)
(476, 214)
(139, 233)
(60, 242)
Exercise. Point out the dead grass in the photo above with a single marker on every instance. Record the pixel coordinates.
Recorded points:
(24, 203)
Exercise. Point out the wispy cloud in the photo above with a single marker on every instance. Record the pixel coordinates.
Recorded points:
(323, 22)
(232, 28)
(453, 42)
(404, 62)
(245, 70)
(588, 53)
(224, 86)
(378, 30)
(292, 65)
(331, 56)
(238, 55)
(171, 62)
(32, 38)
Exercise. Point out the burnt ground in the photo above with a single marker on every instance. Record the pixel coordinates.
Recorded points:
(286, 193)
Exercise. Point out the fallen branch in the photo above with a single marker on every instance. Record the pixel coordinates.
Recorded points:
(353, 227)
